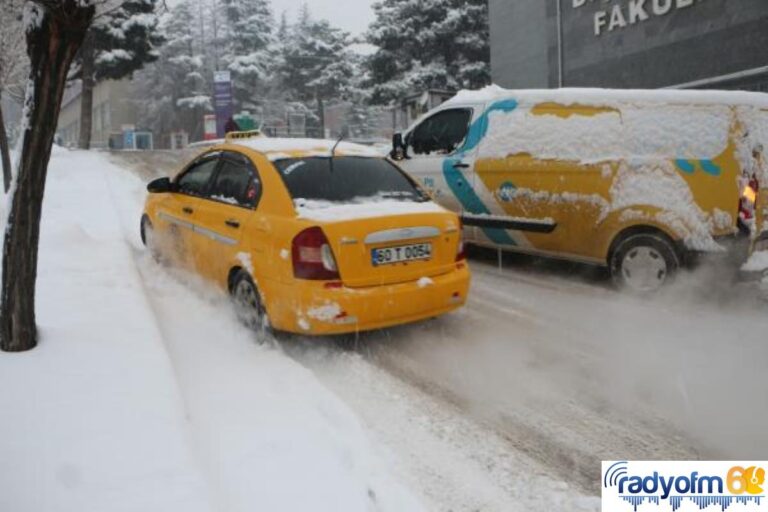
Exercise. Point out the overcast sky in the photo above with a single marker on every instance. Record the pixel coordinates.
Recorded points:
(352, 15)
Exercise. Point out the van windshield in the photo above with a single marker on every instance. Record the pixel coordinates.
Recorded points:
(349, 179)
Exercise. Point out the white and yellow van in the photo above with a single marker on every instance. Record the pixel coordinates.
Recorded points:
(633, 180)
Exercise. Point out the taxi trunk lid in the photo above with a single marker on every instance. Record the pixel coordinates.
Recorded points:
(394, 249)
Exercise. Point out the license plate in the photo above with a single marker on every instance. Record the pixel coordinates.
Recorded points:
(390, 255)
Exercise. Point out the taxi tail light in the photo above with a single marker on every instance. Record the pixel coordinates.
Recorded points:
(461, 252)
(748, 199)
(312, 256)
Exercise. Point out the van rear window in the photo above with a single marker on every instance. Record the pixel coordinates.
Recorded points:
(346, 179)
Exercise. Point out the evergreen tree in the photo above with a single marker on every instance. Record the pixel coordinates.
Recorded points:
(317, 64)
(317, 60)
(176, 88)
(425, 44)
(250, 48)
(119, 43)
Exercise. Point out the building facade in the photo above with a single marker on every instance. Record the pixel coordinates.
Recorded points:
(113, 111)
(719, 44)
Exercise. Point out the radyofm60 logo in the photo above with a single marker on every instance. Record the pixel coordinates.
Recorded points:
(688, 486)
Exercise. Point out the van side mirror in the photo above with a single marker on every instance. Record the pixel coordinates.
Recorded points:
(160, 186)
(399, 151)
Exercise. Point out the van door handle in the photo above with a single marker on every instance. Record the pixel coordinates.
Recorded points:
(188, 210)
(232, 223)
(460, 165)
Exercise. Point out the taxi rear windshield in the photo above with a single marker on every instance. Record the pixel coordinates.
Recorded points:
(346, 179)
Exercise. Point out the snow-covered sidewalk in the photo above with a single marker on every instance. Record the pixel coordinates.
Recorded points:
(146, 395)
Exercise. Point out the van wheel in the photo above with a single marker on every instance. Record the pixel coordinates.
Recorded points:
(247, 301)
(644, 263)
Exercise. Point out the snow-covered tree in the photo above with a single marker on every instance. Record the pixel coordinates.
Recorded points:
(176, 90)
(249, 38)
(13, 61)
(317, 64)
(121, 40)
(425, 44)
(55, 29)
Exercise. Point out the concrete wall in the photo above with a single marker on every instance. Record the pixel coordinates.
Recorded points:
(701, 39)
(523, 37)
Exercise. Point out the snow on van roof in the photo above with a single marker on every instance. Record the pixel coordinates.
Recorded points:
(570, 96)
(278, 149)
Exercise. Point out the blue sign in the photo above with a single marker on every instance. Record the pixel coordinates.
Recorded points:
(222, 100)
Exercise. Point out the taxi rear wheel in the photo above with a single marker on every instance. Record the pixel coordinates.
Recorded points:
(247, 300)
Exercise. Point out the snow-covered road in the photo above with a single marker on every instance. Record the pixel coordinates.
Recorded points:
(569, 372)
(509, 404)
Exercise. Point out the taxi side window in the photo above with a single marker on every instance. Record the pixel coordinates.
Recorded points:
(195, 180)
(236, 182)
(442, 133)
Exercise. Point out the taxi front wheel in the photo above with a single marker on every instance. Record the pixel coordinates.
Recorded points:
(643, 263)
(247, 302)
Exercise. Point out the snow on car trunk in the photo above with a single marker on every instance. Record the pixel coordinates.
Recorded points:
(145, 393)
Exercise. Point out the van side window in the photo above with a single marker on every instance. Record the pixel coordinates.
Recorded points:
(442, 133)
(236, 182)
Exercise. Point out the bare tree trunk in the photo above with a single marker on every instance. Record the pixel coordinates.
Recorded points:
(5, 153)
(51, 46)
(87, 56)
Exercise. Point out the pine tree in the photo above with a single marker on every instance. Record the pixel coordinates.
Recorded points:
(119, 43)
(316, 63)
(428, 44)
(177, 88)
(249, 41)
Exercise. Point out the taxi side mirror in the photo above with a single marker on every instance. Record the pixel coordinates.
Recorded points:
(160, 186)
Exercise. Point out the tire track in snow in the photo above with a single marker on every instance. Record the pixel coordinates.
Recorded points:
(456, 462)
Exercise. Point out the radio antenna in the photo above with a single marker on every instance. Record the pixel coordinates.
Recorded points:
(333, 150)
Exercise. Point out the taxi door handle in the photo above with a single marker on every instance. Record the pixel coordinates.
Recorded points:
(232, 223)
(188, 210)
(460, 165)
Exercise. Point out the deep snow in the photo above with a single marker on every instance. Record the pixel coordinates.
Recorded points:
(145, 394)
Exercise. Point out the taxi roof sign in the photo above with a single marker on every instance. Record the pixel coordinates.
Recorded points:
(252, 134)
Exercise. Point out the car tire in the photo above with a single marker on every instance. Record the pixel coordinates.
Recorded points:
(147, 237)
(644, 263)
(247, 301)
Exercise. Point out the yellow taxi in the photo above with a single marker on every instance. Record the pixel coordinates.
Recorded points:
(310, 236)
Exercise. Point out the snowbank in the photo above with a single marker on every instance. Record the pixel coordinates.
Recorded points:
(146, 394)
(758, 262)
(98, 420)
